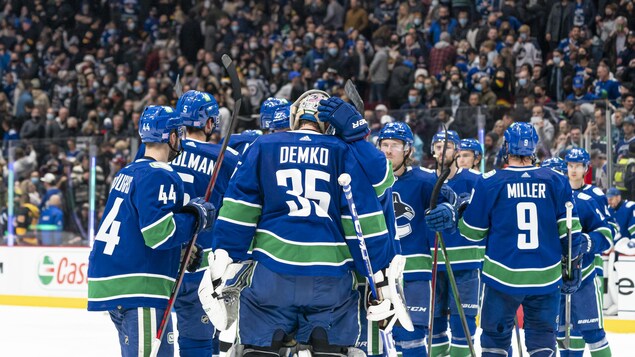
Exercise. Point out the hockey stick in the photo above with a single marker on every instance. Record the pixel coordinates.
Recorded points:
(231, 71)
(517, 329)
(567, 304)
(440, 242)
(352, 94)
(345, 181)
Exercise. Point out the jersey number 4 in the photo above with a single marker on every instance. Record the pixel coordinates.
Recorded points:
(305, 193)
(527, 215)
(109, 230)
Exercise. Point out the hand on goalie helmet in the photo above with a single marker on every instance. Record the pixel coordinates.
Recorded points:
(347, 121)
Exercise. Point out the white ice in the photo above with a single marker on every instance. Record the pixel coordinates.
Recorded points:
(57, 332)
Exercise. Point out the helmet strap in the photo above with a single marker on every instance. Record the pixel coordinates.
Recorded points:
(174, 152)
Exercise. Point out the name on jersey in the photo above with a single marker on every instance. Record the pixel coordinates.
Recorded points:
(194, 162)
(304, 155)
(121, 183)
(526, 190)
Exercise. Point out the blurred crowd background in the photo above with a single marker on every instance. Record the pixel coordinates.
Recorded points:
(76, 75)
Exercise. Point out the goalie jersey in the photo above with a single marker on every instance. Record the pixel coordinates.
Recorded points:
(521, 211)
(596, 225)
(136, 254)
(285, 206)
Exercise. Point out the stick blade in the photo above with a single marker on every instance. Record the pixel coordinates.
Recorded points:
(353, 95)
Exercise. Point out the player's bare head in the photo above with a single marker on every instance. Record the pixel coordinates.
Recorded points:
(304, 109)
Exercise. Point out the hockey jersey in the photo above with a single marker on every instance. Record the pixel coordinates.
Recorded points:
(598, 196)
(195, 166)
(625, 217)
(521, 211)
(136, 254)
(594, 224)
(411, 196)
(463, 253)
(284, 204)
(241, 142)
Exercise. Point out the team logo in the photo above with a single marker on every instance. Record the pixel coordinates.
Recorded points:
(404, 210)
(170, 338)
(205, 319)
(46, 270)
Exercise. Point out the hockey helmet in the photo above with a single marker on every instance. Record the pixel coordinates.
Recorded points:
(195, 108)
(398, 131)
(555, 163)
(453, 137)
(305, 108)
(472, 145)
(521, 139)
(274, 114)
(157, 122)
(577, 155)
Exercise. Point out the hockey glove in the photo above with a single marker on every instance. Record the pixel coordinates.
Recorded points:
(347, 121)
(390, 308)
(441, 218)
(571, 284)
(586, 243)
(462, 203)
(196, 257)
(204, 211)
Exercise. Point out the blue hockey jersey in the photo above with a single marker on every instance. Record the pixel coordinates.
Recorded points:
(625, 216)
(464, 254)
(521, 211)
(594, 224)
(598, 196)
(285, 206)
(136, 254)
(195, 166)
(411, 195)
(241, 142)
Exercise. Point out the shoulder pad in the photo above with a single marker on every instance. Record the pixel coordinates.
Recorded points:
(161, 165)
(425, 169)
(598, 191)
(583, 196)
(489, 174)
(629, 204)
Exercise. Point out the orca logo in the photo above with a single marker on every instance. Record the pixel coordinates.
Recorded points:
(404, 210)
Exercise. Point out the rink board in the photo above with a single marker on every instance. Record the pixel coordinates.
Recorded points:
(57, 277)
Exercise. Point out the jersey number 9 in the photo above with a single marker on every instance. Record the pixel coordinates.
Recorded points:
(527, 215)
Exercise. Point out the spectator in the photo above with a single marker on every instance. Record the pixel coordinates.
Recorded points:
(51, 222)
(334, 15)
(400, 81)
(605, 86)
(51, 187)
(378, 72)
(628, 128)
(443, 24)
(556, 72)
(559, 22)
(441, 54)
(356, 17)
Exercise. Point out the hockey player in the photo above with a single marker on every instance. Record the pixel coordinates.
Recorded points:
(586, 302)
(470, 155)
(525, 203)
(285, 206)
(134, 261)
(200, 115)
(464, 255)
(555, 163)
(623, 211)
(411, 195)
(274, 116)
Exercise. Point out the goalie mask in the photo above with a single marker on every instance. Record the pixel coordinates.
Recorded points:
(305, 108)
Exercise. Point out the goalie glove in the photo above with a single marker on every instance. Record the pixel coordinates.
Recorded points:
(219, 291)
(390, 307)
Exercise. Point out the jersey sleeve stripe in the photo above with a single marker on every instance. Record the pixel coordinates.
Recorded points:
(387, 181)
(114, 287)
(255, 205)
(575, 226)
(420, 263)
(463, 254)
(372, 225)
(631, 229)
(160, 231)
(236, 211)
(472, 233)
(236, 222)
(301, 253)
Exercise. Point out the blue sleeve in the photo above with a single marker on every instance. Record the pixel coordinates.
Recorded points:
(242, 206)
(158, 200)
(380, 242)
(597, 227)
(630, 222)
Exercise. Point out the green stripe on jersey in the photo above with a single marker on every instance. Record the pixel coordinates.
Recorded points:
(388, 181)
(463, 254)
(159, 231)
(142, 285)
(372, 224)
(562, 226)
(418, 263)
(606, 232)
(470, 232)
(240, 211)
(598, 262)
(521, 278)
(299, 253)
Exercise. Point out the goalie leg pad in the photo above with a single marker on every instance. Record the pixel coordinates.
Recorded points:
(322, 348)
(392, 306)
